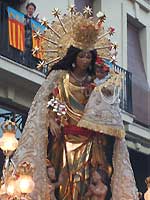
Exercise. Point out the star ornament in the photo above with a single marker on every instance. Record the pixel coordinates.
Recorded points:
(56, 12)
(113, 46)
(111, 30)
(113, 59)
(35, 50)
(87, 11)
(37, 35)
(100, 15)
(44, 22)
(40, 65)
(72, 9)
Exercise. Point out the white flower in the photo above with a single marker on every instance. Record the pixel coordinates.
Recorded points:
(100, 14)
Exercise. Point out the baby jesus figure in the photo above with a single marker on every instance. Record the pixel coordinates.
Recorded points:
(102, 112)
(97, 190)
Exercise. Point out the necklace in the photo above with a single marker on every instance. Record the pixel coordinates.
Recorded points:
(79, 80)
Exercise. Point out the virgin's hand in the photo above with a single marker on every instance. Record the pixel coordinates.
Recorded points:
(55, 128)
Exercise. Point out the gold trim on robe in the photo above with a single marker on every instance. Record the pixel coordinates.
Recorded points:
(105, 129)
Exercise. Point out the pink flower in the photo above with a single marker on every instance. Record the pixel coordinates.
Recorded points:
(99, 61)
(105, 68)
(111, 30)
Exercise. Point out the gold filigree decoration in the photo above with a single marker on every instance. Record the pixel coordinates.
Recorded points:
(77, 29)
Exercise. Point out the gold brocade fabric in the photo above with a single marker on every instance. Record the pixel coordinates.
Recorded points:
(74, 97)
(82, 152)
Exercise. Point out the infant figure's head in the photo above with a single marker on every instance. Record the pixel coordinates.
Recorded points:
(102, 69)
(101, 72)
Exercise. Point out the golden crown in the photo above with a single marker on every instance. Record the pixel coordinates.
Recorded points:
(77, 29)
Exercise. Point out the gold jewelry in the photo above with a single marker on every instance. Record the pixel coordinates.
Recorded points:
(79, 80)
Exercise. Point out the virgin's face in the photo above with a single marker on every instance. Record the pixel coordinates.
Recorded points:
(83, 60)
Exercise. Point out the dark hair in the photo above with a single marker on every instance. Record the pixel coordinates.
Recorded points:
(70, 58)
(31, 4)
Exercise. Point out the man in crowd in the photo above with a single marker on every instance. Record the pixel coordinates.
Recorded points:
(29, 60)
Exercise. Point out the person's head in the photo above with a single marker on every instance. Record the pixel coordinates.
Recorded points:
(51, 173)
(100, 72)
(83, 60)
(76, 57)
(30, 8)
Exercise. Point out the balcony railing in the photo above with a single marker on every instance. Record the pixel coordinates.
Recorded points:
(126, 92)
(7, 50)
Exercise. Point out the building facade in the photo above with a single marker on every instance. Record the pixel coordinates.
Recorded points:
(131, 19)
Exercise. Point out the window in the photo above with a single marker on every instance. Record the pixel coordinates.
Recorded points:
(80, 4)
(140, 164)
(140, 88)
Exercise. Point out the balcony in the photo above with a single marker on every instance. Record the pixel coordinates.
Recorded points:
(9, 51)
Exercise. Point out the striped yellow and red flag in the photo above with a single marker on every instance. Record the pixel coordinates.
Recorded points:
(16, 29)
(36, 42)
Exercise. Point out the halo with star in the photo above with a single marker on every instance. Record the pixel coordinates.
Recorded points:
(74, 28)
